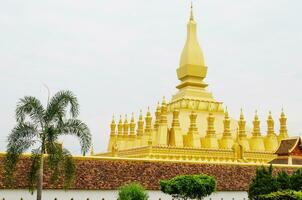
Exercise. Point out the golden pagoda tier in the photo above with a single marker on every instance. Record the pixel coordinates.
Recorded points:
(193, 125)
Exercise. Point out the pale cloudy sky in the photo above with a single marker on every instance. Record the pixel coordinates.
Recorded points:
(121, 56)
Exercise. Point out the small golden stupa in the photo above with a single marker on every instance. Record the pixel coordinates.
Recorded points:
(193, 125)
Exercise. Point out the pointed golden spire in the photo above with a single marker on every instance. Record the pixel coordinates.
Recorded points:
(163, 112)
(157, 116)
(283, 128)
(140, 124)
(256, 123)
(148, 120)
(270, 124)
(120, 126)
(132, 125)
(226, 123)
(126, 126)
(112, 126)
(241, 125)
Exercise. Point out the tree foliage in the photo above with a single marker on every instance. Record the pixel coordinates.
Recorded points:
(263, 183)
(132, 191)
(283, 180)
(189, 186)
(38, 129)
(296, 180)
(282, 186)
(282, 195)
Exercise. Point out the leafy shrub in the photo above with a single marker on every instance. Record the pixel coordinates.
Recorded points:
(283, 180)
(296, 180)
(132, 191)
(263, 183)
(282, 195)
(189, 186)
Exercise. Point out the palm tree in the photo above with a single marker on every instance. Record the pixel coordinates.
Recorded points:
(38, 129)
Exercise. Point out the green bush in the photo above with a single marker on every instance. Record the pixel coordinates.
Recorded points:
(132, 191)
(296, 180)
(189, 186)
(282, 195)
(263, 183)
(283, 180)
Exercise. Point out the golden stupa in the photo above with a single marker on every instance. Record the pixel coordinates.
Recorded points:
(193, 125)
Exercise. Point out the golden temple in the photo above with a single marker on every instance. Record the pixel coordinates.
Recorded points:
(193, 125)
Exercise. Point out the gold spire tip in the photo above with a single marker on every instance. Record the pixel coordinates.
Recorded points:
(191, 12)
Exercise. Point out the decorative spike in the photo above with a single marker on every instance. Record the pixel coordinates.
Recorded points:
(241, 125)
(132, 125)
(283, 127)
(148, 120)
(191, 12)
(256, 125)
(113, 126)
(157, 116)
(126, 126)
(270, 124)
(140, 124)
(120, 126)
(163, 113)
(226, 124)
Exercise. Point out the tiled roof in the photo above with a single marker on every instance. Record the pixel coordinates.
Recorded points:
(287, 146)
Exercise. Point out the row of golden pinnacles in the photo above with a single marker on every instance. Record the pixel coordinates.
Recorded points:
(127, 141)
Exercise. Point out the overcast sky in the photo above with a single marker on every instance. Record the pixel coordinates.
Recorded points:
(121, 56)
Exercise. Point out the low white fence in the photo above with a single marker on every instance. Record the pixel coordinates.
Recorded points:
(104, 195)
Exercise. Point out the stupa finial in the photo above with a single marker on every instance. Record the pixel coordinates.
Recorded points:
(191, 12)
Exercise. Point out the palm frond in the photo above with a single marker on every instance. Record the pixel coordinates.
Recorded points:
(20, 139)
(79, 129)
(58, 104)
(29, 106)
(60, 161)
(34, 168)
(69, 169)
(55, 157)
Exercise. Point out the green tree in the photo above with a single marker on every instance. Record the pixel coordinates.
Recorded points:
(296, 180)
(132, 191)
(189, 186)
(38, 129)
(263, 183)
(283, 180)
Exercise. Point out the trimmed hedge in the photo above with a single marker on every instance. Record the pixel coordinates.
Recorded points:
(189, 186)
(282, 195)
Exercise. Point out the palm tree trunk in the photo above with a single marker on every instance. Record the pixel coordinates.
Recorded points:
(40, 180)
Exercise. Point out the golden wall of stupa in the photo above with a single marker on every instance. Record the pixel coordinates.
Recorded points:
(193, 125)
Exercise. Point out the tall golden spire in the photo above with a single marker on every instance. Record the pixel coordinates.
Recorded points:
(192, 53)
(192, 69)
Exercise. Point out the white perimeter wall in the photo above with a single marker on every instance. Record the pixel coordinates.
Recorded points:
(104, 195)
